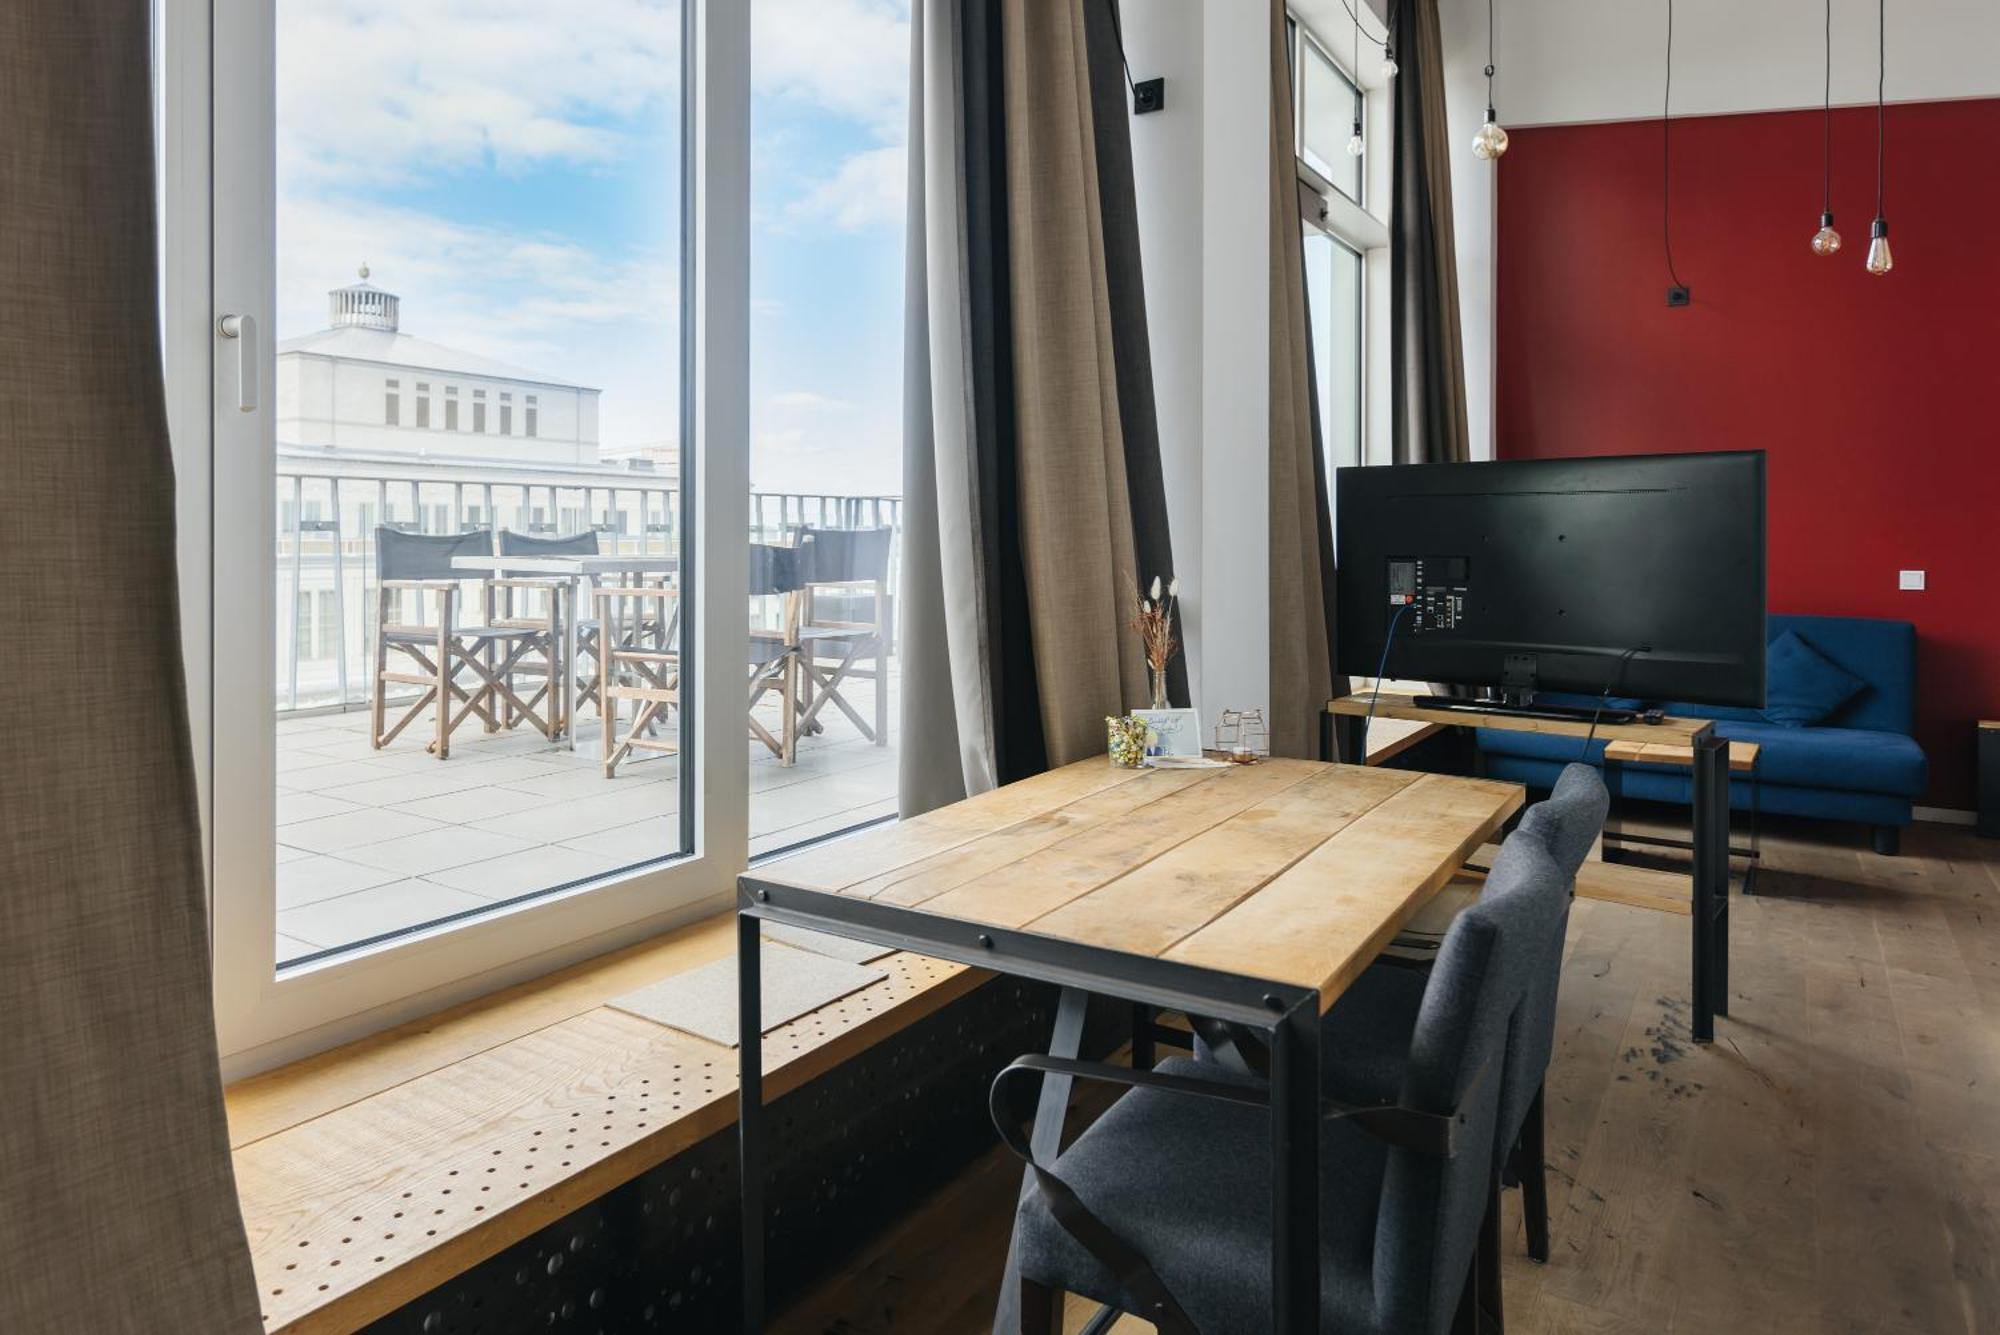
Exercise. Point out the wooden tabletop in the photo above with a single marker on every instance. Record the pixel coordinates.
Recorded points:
(1742, 755)
(1402, 705)
(1289, 871)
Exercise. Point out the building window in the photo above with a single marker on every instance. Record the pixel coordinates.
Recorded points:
(451, 407)
(392, 403)
(506, 415)
(531, 414)
(479, 411)
(423, 405)
(1327, 108)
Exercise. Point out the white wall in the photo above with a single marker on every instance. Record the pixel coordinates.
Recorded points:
(339, 403)
(1568, 61)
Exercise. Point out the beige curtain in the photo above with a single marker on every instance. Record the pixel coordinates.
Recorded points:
(118, 1210)
(1076, 513)
(1427, 364)
(1301, 555)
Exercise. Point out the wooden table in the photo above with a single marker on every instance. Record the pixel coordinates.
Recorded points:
(1253, 895)
(1706, 755)
(572, 570)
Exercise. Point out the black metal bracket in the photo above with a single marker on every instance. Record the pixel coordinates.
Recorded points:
(1166, 984)
(1148, 95)
(1678, 295)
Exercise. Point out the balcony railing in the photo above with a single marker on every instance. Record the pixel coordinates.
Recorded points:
(327, 516)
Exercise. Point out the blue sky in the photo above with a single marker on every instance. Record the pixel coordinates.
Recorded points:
(511, 169)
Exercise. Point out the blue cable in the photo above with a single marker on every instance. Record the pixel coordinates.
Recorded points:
(1381, 667)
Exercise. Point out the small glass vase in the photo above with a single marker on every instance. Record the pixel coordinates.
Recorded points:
(1160, 688)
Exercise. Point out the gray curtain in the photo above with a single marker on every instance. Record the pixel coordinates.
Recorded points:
(1030, 433)
(1427, 359)
(118, 1211)
(1301, 557)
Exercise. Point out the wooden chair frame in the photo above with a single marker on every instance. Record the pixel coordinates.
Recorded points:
(452, 650)
(628, 670)
(780, 672)
(854, 640)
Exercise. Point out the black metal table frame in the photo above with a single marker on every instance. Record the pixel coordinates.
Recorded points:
(1344, 734)
(1285, 1015)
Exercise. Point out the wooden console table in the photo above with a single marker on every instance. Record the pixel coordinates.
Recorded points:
(1708, 757)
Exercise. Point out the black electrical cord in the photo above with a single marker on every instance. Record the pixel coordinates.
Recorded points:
(1388, 639)
(1826, 188)
(1489, 61)
(1382, 41)
(1666, 146)
(1118, 33)
(1617, 676)
(1881, 121)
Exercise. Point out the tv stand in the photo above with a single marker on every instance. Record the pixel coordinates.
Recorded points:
(1528, 708)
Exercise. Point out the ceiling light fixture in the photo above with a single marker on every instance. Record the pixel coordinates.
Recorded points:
(1677, 291)
(1491, 141)
(1356, 146)
(1826, 241)
(1879, 259)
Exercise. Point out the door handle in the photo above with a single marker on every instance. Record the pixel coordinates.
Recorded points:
(243, 329)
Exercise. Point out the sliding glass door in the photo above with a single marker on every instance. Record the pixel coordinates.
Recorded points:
(456, 294)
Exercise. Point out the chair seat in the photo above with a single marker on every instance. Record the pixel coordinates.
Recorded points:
(463, 633)
(838, 634)
(1153, 1155)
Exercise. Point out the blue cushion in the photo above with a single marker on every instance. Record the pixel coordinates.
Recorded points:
(1856, 759)
(1658, 785)
(1882, 653)
(1804, 686)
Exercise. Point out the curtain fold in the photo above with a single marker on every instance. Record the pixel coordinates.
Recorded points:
(1030, 422)
(1427, 359)
(1301, 554)
(119, 1211)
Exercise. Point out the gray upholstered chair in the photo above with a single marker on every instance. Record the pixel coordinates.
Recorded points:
(844, 617)
(466, 667)
(1181, 1180)
(1365, 1036)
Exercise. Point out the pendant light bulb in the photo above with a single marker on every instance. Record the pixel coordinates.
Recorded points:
(1826, 241)
(1390, 69)
(1355, 146)
(1491, 141)
(1880, 261)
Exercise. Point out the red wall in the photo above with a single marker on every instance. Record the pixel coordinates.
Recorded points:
(1878, 399)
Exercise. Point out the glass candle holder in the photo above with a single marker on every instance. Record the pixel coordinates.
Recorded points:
(1125, 739)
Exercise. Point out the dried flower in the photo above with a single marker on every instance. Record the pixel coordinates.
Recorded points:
(1154, 621)
(1173, 587)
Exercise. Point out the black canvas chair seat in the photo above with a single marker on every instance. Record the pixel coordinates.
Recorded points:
(1156, 1161)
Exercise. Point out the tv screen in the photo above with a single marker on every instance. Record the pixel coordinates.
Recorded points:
(1640, 575)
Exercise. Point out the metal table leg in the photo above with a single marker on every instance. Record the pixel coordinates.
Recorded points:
(1711, 884)
(1065, 1041)
(1295, 1169)
(750, 1117)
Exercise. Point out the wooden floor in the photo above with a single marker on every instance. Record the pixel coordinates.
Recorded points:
(1830, 1164)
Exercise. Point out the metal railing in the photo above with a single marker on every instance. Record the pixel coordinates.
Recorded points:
(327, 516)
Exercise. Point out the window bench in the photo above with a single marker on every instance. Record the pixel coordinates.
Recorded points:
(374, 1173)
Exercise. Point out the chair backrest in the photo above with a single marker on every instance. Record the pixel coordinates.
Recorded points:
(400, 555)
(1431, 1207)
(1567, 824)
(773, 569)
(844, 555)
(570, 544)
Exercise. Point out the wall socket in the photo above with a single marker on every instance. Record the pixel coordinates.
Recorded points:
(1910, 579)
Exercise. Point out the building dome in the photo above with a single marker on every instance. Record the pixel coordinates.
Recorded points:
(364, 306)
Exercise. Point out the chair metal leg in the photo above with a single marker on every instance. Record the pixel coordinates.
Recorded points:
(1041, 1309)
(1487, 1262)
(1532, 1166)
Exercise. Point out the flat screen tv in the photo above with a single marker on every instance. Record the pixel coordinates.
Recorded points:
(1637, 576)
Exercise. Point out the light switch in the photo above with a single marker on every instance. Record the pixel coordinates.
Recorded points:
(1909, 579)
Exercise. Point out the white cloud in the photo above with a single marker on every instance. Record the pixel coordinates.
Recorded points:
(395, 89)
(848, 57)
(869, 189)
(809, 401)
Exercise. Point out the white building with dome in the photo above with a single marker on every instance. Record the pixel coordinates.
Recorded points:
(363, 386)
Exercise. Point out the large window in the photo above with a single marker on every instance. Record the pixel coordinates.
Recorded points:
(401, 733)
(830, 111)
(1346, 235)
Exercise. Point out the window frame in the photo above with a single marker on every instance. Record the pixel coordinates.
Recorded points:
(217, 63)
(1325, 208)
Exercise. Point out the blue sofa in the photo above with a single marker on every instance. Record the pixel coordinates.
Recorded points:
(1859, 764)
